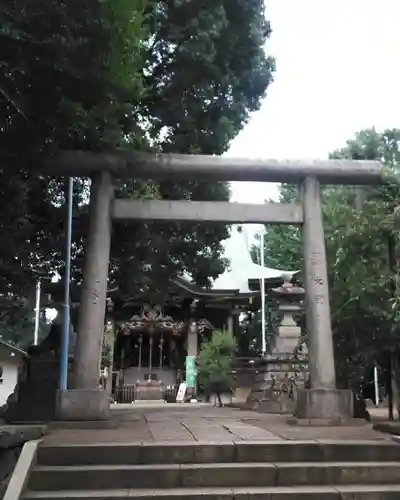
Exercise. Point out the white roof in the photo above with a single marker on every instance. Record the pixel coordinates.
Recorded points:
(242, 268)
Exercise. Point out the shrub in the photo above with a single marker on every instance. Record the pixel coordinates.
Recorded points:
(215, 362)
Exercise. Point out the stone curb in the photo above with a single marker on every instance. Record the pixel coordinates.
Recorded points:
(20, 475)
(388, 427)
(12, 436)
(327, 422)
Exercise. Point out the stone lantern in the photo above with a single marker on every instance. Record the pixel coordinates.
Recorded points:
(286, 365)
(290, 298)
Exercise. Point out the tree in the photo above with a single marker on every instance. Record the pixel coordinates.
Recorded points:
(206, 71)
(65, 69)
(58, 80)
(215, 361)
(249, 336)
(160, 75)
(360, 231)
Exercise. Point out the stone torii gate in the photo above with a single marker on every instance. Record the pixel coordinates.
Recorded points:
(323, 400)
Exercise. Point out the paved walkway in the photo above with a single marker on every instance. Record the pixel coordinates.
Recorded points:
(173, 423)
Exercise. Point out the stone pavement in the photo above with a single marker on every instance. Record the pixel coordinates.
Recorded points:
(174, 423)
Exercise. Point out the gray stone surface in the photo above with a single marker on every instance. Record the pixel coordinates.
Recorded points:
(324, 404)
(347, 492)
(12, 439)
(83, 404)
(253, 464)
(203, 430)
(319, 331)
(93, 297)
(212, 167)
(215, 211)
(327, 422)
(34, 397)
(175, 431)
(18, 479)
(277, 451)
(12, 436)
(200, 422)
(210, 475)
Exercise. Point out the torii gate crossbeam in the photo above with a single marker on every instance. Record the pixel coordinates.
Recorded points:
(213, 168)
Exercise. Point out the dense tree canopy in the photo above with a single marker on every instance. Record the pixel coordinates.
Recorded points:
(206, 72)
(361, 235)
(167, 75)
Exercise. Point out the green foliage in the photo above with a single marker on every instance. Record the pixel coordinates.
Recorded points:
(361, 235)
(106, 356)
(172, 76)
(64, 69)
(249, 341)
(215, 360)
(57, 90)
(249, 336)
(16, 321)
(205, 72)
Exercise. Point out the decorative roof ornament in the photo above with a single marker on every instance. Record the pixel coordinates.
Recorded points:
(152, 319)
(203, 324)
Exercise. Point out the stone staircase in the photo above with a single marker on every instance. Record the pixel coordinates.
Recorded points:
(275, 470)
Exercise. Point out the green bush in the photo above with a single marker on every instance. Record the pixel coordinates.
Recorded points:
(215, 362)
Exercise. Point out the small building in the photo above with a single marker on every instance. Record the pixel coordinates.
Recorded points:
(10, 359)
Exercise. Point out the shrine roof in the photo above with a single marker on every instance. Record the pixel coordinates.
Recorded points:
(234, 283)
(242, 270)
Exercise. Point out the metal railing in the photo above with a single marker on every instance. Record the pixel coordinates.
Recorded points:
(125, 394)
(170, 393)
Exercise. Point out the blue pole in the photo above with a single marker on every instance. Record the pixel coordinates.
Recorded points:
(66, 308)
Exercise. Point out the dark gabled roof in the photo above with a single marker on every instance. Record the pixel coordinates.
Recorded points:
(208, 292)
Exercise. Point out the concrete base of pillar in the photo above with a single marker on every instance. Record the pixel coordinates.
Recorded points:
(83, 404)
(324, 404)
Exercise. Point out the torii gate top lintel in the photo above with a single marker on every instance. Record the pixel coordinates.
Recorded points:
(213, 168)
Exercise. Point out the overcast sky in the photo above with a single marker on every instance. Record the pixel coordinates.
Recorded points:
(338, 72)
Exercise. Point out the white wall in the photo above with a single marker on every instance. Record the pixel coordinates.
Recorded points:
(10, 372)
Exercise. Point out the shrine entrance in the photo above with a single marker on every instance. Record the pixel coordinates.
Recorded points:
(150, 349)
(322, 400)
(151, 352)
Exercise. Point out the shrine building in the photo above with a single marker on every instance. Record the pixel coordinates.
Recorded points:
(147, 344)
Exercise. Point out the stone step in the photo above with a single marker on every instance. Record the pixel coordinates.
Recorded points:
(209, 475)
(198, 452)
(352, 492)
